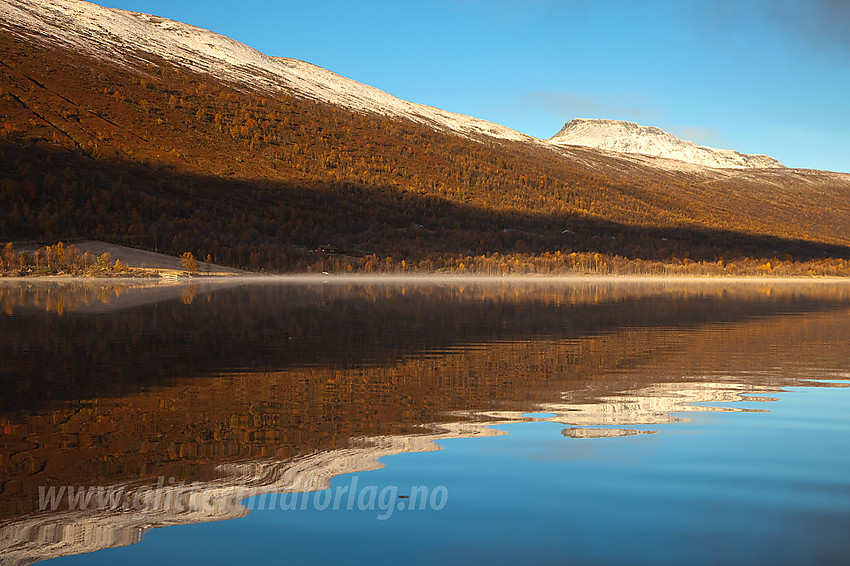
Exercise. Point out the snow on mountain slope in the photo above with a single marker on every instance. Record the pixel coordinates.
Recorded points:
(125, 37)
(628, 137)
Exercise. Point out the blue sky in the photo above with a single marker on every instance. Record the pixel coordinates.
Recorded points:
(769, 76)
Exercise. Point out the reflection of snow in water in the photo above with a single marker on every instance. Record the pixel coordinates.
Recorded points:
(651, 404)
(590, 415)
(603, 432)
(63, 531)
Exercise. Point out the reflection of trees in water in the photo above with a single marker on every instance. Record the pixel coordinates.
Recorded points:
(275, 371)
(187, 295)
(92, 351)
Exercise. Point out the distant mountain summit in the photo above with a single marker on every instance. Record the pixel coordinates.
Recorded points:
(628, 137)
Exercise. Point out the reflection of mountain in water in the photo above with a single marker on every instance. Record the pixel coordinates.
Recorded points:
(65, 532)
(195, 331)
(455, 358)
(62, 532)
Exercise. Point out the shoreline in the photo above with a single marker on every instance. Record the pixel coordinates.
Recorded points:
(429, 277)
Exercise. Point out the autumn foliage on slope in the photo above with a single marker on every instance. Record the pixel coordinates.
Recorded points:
(163, 159)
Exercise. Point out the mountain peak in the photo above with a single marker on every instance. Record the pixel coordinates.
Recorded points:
(628, 137)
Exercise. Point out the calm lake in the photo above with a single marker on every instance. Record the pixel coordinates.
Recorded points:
(457, 421)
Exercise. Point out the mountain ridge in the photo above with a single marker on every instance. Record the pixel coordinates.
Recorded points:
(92, 28)
(116, 35)
(147, 152)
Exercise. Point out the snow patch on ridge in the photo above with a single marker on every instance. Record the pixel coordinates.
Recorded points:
(628, 137)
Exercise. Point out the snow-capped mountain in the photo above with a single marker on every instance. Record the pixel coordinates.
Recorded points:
(130, 38)
(126, 37)
(628, 137)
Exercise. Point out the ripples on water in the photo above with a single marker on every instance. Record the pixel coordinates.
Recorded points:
(654, 422)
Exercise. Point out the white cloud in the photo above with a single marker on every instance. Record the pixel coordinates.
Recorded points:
(567, 105)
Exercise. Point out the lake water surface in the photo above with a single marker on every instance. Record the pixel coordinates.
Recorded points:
(425, 421)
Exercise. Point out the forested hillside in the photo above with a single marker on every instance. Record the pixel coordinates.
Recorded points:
(160, 158)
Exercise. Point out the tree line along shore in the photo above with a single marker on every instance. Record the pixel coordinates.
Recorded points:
(60, 259)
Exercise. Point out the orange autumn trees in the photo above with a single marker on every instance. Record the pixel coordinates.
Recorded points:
(170, 161)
